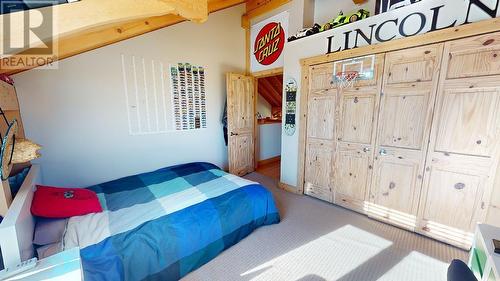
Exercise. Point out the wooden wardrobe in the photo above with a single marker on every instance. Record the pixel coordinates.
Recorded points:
(418, 145)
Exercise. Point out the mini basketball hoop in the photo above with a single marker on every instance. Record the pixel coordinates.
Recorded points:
(345, 79)
(347, 72)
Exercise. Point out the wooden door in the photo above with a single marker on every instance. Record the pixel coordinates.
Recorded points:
(356, 122)
(406, 107)
(464, 144)
(320, 133)
(241, 122)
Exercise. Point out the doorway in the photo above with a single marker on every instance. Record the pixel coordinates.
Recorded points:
(268, 110)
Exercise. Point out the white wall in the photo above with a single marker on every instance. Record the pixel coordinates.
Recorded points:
(78, 112)
(326, 10)
(263, 107)
(270, 140)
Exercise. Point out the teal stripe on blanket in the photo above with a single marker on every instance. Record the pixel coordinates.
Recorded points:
(159, 218)
(170, 247)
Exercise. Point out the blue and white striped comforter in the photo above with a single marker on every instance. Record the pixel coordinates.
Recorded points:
(164, 224)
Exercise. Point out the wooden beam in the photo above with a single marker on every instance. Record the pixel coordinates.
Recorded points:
(83, 15)
(261, 9)
(100, 36)
(276, 87)
(268, 72)
(217, 5)
(277, 82)
(265, 93)
(253, 4)
(270, 91)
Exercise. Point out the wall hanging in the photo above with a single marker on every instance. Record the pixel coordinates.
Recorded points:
(151, 107)
(188, 96)
(290, 106)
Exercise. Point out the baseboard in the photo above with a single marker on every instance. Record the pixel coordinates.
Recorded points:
(289, 188)
(269, 161)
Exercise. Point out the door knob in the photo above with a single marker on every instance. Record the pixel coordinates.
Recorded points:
(382, 152)
(233, 134)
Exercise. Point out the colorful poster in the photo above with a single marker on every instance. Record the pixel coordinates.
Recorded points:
(189, 98)
(268, 39)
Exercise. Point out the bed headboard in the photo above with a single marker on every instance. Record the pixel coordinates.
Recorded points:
(18, 226)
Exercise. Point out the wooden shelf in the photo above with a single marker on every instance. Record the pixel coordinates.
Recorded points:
(268, 121)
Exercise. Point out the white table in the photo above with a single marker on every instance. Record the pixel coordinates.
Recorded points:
(63, 266)
(482, 259)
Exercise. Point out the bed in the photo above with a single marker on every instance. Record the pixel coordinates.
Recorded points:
(164, 224)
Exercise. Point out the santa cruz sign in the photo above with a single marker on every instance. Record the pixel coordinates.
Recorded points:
(269, 43)
(422, 17)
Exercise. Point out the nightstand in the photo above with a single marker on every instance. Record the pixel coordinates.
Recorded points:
(62, 266)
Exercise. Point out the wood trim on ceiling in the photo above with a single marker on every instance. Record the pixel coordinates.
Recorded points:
(99, 36)
(257, 8)
(268, 72)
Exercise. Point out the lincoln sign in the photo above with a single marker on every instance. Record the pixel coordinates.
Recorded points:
(422, 17)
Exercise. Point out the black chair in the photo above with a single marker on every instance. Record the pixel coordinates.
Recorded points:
(459, 271)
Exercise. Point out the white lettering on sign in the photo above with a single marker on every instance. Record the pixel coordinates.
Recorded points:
(422, 17)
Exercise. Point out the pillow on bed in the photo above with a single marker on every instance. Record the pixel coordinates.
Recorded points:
(16, 181)
(48, 231)
(58, 202)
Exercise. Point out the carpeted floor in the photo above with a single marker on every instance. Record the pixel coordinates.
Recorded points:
(319, 241)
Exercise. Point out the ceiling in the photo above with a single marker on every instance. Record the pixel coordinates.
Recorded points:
(271, 89)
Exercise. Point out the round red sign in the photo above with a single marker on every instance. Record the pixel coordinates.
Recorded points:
(269, 43)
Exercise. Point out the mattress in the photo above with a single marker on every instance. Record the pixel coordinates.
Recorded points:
(164, 224)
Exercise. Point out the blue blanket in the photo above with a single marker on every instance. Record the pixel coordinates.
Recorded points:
(164, 224)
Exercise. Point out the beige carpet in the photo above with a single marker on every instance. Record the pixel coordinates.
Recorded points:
(319, 241)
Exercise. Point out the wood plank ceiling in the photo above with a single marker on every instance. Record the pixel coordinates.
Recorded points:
(271, 89)
(96, 36)
(135, 22)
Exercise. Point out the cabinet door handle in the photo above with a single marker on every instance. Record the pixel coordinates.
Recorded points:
(383, 152)
(459, 186)
(233, 134)
(366, 149)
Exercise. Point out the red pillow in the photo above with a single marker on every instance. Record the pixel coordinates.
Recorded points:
(58, 202)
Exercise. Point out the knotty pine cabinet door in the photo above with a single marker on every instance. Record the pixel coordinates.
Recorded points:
(464, 144)
(320, 133)
(406, 107)
(356, 123)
